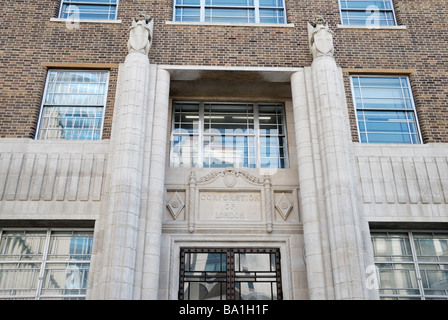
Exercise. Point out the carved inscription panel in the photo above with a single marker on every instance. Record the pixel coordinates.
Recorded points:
(230, 206)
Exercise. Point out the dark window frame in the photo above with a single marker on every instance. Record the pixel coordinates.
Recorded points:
(231, 277)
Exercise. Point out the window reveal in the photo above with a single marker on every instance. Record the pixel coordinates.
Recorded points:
(411, 264)
(89, 9)
(73, 105)
(232, 11)
(210, 135)
(367, 13)
(385, 110)
(44, 264)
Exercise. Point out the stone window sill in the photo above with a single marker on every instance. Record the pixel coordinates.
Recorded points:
(340, 26)
(230, 24)
(85, 20)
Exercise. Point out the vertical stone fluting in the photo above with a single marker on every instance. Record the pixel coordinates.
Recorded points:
(333, 239)
(342, 214)
(122, 218)
(309, 193)
(156, 187)
(119, 228)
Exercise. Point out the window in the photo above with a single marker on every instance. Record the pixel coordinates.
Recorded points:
(385, 110)
(89, 9)
(44, 264)
(73, 105)
(238, 11)
(230, 274)
(210, 135)
(412, 265)
(367, 12)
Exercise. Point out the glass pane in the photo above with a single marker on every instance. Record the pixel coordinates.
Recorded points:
(76, 88)
(187, 14)
(205, 262)
(435, 282)
(371, 17)
(228, 119)
(186, 118)
(388, 127)
(19, 279)
(230, 3)
(73, 105)
(229, 15)
(228, 151)
(94, 1)
(427, 244)
(205, 291)
(70, 246)
(65, 279)
(392, 248)
(184, 150)
(382, 92)
(22, 279)
(89, 11)
(399, 279)
(272, 16)
(354, 4)
(253, 262)
(188, 2)
(22, 246)
(386, 94)
(256, 291)
(271, 3)
(387, 122)
(71, 123)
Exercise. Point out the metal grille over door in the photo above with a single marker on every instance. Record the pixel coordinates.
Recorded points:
(230, 274)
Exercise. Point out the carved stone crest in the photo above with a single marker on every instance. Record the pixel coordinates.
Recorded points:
(320, 38)
(141, 30)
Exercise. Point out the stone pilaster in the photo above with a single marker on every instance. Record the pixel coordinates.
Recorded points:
(310, 178)
(114, 269)
(332, 224)
(156, 188)
(121, 221)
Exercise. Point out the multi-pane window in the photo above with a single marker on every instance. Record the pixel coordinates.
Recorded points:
(411, 265)
(367, 12)
(89, 9)
(210, 135)
(385, 110)
(230, 274)
(237, 11)
(44, 264)
(73, 105)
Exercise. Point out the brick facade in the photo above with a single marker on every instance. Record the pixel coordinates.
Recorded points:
(30, 43)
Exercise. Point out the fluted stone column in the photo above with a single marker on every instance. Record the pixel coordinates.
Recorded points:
(332, 227)
(313, 217)
(115, 278)
(155, 204)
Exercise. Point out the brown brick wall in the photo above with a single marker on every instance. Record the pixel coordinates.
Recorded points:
(28, 40)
